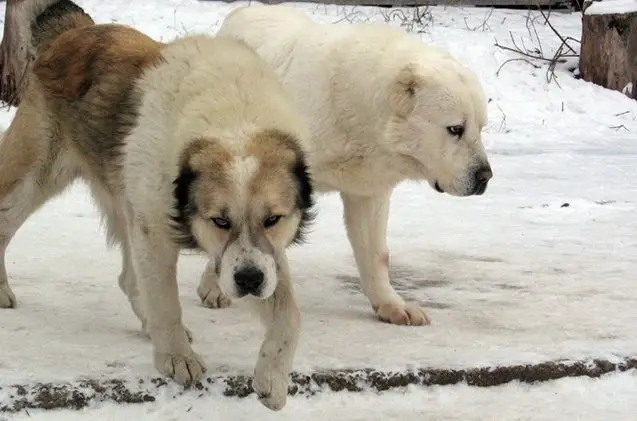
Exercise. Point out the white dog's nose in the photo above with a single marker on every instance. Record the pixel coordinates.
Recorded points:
(481, 179)
(484, 174)
(249, 280)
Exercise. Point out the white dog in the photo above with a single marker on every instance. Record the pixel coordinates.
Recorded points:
(191, 144)
(383, 107)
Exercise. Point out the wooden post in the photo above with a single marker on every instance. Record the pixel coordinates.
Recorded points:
(609, 45)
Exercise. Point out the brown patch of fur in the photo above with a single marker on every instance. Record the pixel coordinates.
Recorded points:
(276, 152)
(83, 56)
(201, 152)
(274, 146)
(210, 160)
(88, 78)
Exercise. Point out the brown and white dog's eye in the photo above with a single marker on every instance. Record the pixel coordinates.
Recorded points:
(222, 223)
(272, 221)
(456, 130)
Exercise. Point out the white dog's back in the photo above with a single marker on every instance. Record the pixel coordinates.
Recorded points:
(341, 77)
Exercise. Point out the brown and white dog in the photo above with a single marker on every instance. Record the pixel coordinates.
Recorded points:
(190, 144)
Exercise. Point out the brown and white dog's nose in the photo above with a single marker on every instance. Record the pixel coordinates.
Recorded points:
(249, 280)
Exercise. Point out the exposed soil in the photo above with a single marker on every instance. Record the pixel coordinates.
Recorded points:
(82, 393)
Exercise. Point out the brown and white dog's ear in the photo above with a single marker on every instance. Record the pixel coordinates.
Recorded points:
(277, 147)
(184, 207)
(201, 164)
(403, 91)
(305, 196)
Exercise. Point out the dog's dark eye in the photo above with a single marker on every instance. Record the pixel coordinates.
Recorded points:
(272, 221)
(222, 223)
(456, 130)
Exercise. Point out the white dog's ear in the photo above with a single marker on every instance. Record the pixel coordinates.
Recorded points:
(403, 92)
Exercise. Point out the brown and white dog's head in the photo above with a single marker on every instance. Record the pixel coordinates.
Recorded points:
(243, 208)
(439, 112)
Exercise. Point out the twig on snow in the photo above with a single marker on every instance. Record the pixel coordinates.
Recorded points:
(563, 52)
(484, 26)
(497, 73)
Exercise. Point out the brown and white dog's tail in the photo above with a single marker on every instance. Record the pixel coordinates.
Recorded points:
(30, 27)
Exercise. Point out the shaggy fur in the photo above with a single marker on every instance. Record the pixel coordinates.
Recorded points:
(188, 144)
(383, 108)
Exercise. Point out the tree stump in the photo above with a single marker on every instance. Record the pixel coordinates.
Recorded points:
(609, 45)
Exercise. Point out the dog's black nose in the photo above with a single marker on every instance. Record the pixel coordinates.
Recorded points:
(484, 174)
(482, 177)
(248, 280)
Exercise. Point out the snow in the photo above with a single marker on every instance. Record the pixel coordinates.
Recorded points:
(608, 398)
(514, 276)
(606, 7)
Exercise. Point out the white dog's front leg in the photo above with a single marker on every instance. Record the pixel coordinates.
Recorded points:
(366, 221)
(280, 313)
(154, 259)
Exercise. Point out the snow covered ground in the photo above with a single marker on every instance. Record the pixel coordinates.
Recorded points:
(608, 399)
(515, 276)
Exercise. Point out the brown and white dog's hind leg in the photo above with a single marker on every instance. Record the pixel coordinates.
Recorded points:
(208, 289)
(366, 222)
(32, 171)
(282, 318)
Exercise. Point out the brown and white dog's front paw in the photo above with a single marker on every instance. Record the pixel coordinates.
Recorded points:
(272, 374)
(271, 387)
(402, 314)
(185, 369)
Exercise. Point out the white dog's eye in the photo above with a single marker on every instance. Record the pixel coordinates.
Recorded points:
(272, 221)
(222, 223)
(456, 130)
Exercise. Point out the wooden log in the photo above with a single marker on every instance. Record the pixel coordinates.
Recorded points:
(608, 55)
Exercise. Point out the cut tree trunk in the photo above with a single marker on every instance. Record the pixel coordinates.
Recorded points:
(16, 50)
(609, 45)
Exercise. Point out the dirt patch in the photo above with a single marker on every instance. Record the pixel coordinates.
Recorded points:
(82, 393)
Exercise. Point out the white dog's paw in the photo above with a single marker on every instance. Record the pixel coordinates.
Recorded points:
(271, 387)
(402, 314)
(183, 369)
(213, 298)
(7, 298)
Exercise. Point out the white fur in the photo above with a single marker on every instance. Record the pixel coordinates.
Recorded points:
(379, 103)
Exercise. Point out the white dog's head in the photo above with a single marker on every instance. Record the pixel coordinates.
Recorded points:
(243, 208)
(439, 110)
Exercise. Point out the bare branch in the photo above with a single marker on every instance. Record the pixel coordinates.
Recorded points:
(484, 25)
(497, 73)
(531, 55)
(564, 42)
